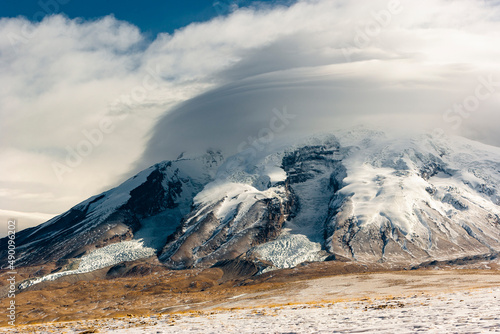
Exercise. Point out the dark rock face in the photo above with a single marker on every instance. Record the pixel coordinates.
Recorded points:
(240, 267)
(432, 168)
(151, 197)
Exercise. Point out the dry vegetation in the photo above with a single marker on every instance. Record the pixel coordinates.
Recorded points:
(146, 288)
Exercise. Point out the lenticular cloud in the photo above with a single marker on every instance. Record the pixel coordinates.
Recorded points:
(332, 64)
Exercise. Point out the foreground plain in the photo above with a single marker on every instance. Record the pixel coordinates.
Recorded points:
(303, 301)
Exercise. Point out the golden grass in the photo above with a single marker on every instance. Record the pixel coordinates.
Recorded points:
(201, 292)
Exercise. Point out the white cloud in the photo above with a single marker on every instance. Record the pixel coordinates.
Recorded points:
(335, 63)
(327, 61)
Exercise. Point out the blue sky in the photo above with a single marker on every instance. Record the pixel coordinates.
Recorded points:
(151, 16)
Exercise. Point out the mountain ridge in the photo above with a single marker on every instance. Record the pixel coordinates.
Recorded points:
(357, 195)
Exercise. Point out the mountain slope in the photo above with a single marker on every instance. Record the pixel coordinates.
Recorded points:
(150, 204)
(360, 195)
(413, 198)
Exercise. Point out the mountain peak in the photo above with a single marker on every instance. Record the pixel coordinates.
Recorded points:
(360, 195)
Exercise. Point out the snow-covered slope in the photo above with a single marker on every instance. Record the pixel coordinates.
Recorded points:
(245, 206)
(148, 206)
(363, 195)
(360, 195)
(405, 199)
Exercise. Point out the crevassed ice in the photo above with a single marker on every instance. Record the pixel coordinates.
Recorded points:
(290, 250)
(101, 258)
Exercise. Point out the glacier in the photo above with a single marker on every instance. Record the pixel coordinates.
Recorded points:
(100, 258)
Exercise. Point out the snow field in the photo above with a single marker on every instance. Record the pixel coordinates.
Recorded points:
(459, 312)
(463, 312)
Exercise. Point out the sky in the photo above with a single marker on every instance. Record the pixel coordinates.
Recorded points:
(95, 91)
(151, 16)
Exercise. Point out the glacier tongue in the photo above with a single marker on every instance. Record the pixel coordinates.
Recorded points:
(100, 258)
(289, 250)
(314, 172)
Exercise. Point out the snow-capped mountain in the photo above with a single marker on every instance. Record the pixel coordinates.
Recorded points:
(408, 199)
(359, 195)
(150, 204)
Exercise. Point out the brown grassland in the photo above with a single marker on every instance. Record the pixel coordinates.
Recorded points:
(149, 288)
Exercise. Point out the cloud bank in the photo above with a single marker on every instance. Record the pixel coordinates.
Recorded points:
(86, 102)
(336, 64)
